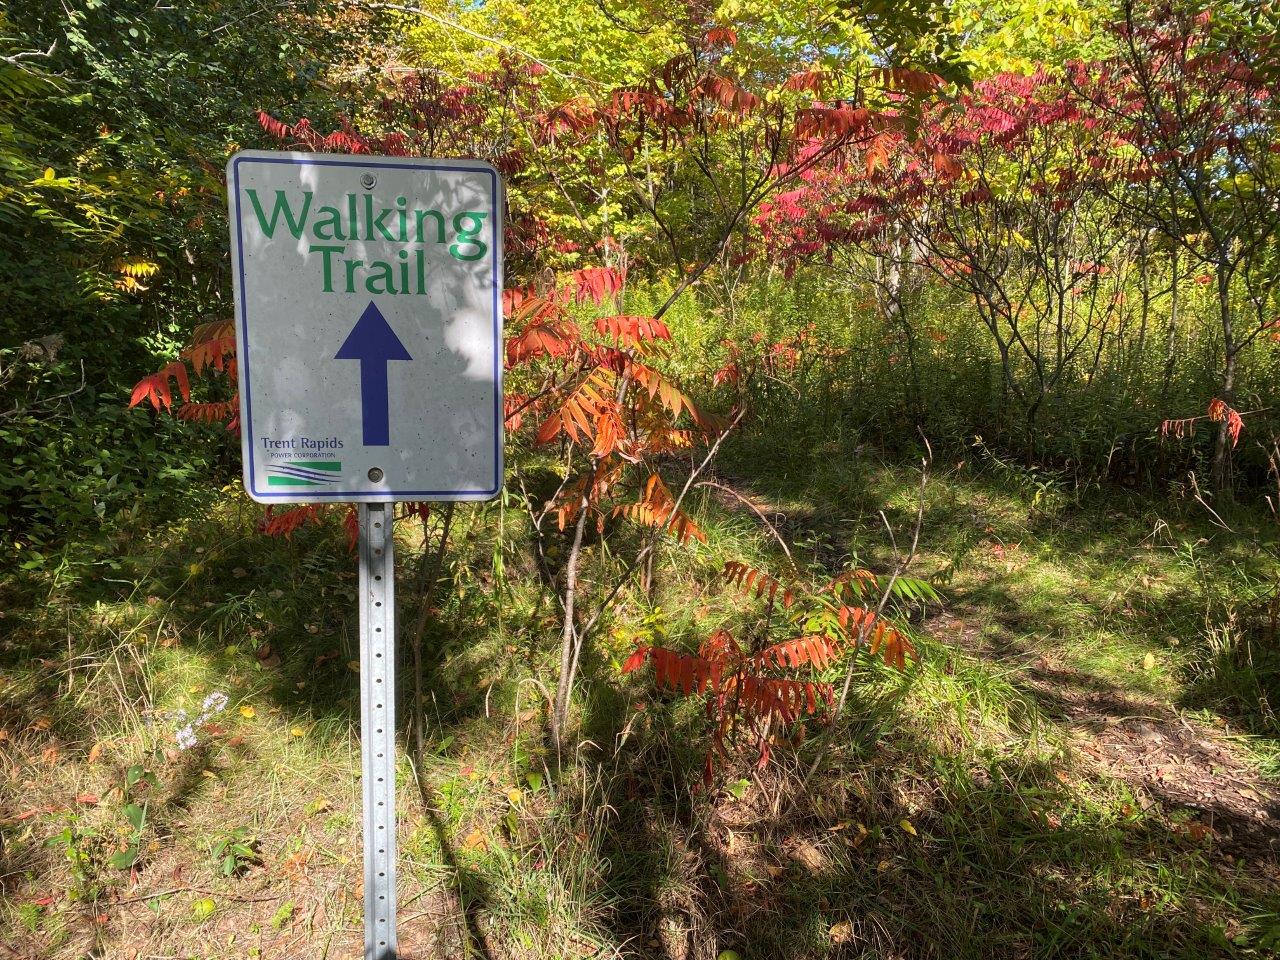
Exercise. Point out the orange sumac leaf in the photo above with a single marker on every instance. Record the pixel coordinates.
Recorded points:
(814, 81)
(744, 577)
(728, 94)
(595, 284)
(284, 524)
(906, 80)
(656, 508)
(580, 410)
(610, 432)
(671, 397)
(722, 36)
(816, 650)
(1220, 412)
(864, 626)
(210, 353)
(636, 660)
(832, 122)
(632, 329)
(155, 388)
(542, 339)
(213, 412)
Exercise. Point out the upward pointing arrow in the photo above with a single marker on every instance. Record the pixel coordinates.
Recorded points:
(374, 344)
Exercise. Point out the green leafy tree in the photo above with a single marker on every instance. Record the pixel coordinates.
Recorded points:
(115, 121)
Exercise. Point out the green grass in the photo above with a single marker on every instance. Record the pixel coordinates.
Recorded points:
(956, 815)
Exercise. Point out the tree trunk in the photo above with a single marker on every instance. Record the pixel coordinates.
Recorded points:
(1171, 340)
(428, 577)
(891, 293)
(564, 684)
(1222, 444)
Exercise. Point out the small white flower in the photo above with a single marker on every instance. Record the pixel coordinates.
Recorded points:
(186, 738)
(215, 702)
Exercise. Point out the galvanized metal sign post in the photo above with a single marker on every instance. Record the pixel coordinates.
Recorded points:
(369, 342)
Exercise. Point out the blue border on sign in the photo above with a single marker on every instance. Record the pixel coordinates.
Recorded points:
(378, 495)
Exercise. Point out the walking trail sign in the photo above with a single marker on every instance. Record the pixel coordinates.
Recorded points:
(369, 323)
(369, 337)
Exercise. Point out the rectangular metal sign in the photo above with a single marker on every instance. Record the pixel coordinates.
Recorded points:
(368, 326)
(369, 345)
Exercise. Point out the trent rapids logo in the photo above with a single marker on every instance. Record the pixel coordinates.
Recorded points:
(303, 473)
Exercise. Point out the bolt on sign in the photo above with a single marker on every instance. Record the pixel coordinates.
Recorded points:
(369, 323)
(368, 295)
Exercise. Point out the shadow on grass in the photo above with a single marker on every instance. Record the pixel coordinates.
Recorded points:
(1006, 862)
(213, 607)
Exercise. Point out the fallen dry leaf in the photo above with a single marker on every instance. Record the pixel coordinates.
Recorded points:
(810, 856)
(841, 932)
